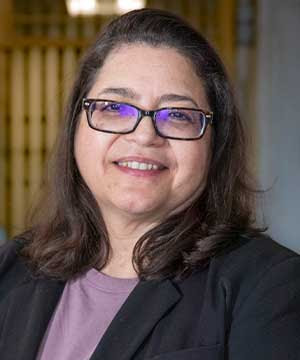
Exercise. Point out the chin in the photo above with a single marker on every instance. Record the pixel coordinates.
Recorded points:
(141, 208)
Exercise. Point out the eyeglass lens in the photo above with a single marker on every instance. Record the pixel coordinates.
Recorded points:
(113, 116)
(120, 117)
(180, 122)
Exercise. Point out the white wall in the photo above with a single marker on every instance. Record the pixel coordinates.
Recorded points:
(278, 116)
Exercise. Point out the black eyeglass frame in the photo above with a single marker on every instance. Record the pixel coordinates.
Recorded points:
(87, 102)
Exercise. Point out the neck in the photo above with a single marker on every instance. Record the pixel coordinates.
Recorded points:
(123, 235)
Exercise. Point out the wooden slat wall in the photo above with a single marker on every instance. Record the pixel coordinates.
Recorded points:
(69, 60)
(17, 139)
(35, 116)
(52, 96)
(41, 68)
(3, 138)
(225, 16)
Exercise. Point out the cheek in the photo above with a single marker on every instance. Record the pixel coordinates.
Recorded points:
(192, 165)
(87, 149)
(82, 151)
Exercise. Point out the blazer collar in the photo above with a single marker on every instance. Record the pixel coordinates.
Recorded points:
(144, 307)
(28, 311)
(32, 304)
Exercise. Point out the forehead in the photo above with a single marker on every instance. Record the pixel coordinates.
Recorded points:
(147, 70)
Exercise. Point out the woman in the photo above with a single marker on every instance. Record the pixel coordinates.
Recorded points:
(145, 246)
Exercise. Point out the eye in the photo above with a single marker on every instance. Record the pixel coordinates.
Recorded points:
(120, 110)
(179, 115)
(112, 107)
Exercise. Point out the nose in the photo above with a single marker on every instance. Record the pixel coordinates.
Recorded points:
(145, 133)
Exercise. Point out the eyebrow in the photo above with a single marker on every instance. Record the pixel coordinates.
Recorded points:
(131, 94)
(176, 97)
(126, 92)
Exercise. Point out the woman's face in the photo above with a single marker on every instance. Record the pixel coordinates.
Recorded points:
(149, 78)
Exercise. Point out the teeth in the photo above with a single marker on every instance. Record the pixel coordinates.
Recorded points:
(138, 165)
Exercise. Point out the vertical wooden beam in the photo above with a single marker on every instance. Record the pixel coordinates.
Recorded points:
(157, 4)
(35, 112)
(6, 37)
(69, 61)
(3, 139)
(194, 14)
(6, 21)
(175, 6)
(51, 95)
(226, 22)
(17, 140)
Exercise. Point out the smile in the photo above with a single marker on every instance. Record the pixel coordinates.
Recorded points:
(138, 165)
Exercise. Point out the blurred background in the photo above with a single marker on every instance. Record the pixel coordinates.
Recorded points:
(42, 40)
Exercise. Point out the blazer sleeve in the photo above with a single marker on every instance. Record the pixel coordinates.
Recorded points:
(12, 270)
(266, 326)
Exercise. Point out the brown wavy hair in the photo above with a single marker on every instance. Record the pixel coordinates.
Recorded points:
(68, 234)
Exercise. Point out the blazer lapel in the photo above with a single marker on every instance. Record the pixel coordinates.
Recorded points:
(29, 309)
(144, 307)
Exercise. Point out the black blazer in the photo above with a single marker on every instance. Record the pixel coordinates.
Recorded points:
(245, 305)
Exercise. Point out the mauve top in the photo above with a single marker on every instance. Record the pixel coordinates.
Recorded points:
(86, 308)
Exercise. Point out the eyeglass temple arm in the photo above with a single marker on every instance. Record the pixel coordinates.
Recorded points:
(210, 117)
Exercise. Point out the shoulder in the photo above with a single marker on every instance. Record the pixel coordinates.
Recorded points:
(254, 261)
(258, 253)
(247, 260)
(13, 270)
(252, 293)
(252, 258)
(251, 270)
(260, 284)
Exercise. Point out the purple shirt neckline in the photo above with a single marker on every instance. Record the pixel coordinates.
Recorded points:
(109, 283)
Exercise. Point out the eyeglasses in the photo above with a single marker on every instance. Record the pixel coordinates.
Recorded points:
(116, 117)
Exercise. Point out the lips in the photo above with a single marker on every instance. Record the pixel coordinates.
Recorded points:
(140, 163)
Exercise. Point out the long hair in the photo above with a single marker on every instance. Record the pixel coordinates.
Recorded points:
(68, 234)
